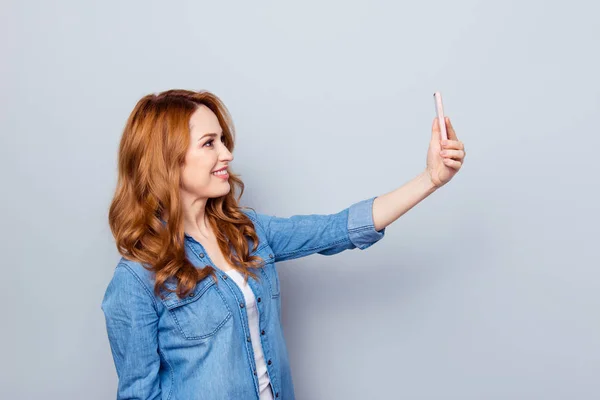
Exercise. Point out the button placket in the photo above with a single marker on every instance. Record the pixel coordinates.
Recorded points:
(262, 331)
(237, 292)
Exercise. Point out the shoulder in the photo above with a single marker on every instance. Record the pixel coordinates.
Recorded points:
(131, 278)
(259, 220)
(136, 269)
(261, 224)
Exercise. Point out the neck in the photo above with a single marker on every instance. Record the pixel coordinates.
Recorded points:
(195, 223)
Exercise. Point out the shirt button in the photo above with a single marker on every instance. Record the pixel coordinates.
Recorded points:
(270, 255)
(224, 277)
(192, 294)
(262, 332)
(248, 338)
(269, 362)
(201, 255)
(277, 394)
(258, 300)
(254, 372)
(241, 305)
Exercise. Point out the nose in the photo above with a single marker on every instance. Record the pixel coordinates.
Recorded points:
(225, 154)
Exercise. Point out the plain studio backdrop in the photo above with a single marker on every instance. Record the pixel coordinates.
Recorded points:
(488, 289)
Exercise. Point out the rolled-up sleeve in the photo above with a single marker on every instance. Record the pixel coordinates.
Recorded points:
(327, 234)
(131, 324)
(361, 227)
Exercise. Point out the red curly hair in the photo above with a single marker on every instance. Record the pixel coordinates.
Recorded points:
(152, 151)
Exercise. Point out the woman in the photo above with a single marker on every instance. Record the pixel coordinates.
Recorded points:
(193, 308)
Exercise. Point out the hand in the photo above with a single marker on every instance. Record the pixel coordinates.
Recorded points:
(442, 167)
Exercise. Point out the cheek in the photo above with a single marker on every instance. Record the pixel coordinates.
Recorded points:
(196, 173)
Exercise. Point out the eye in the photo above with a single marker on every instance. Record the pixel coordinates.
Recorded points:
(212, 140)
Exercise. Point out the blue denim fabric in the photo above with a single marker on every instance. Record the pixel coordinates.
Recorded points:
(199, 347)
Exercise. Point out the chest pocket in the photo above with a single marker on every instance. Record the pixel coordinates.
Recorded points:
(202, 313)
(268, 271)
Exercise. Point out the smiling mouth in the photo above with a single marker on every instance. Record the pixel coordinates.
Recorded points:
(221, 174)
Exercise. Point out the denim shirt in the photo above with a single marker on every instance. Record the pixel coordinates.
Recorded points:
(199, 347)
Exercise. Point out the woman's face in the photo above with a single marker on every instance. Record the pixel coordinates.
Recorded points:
(206, 154)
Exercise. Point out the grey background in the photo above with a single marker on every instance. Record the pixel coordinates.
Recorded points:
(488, 289)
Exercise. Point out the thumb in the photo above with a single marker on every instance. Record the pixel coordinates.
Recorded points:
(436, 133)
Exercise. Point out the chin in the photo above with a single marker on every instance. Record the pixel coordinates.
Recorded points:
(222, 192)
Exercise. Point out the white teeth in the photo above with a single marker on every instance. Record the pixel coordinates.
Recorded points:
(220, 172)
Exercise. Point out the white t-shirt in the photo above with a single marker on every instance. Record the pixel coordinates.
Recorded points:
(264, 384)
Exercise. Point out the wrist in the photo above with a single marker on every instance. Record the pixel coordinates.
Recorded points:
(428, 184)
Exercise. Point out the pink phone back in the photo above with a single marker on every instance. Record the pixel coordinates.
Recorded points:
(439, 109)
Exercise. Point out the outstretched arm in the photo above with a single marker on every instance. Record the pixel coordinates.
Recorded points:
(327, 234)
(391, 206)
(444, 160)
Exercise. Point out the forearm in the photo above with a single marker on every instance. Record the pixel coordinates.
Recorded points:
(391, 206)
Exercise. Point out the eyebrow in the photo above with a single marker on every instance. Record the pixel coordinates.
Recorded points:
(208, 134)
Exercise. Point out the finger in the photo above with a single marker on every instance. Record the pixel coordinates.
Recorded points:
(453, 145)
(450, 130)
(452, 163)
(454, 154)
(435, 130)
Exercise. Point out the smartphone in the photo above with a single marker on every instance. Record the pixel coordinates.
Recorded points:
(439, 110)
